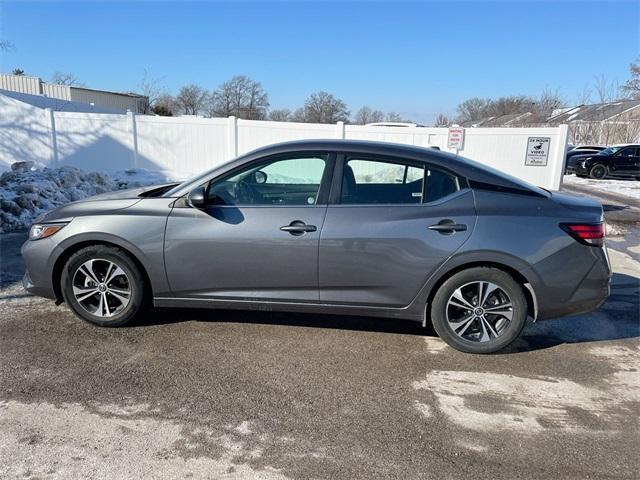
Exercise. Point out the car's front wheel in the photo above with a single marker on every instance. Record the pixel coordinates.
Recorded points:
(479, 310)
(599, 171)
(103, 285)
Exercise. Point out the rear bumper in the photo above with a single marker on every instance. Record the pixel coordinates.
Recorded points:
(588, 294)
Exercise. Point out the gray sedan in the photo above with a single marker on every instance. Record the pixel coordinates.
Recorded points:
(336, 227)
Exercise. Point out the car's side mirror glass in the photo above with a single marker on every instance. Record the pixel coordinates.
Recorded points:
(197, 198)
(260, 177)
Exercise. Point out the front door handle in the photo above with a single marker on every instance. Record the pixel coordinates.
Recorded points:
(298, 227)
(448, 226)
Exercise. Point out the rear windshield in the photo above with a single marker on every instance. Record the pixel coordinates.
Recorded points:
(517, 183)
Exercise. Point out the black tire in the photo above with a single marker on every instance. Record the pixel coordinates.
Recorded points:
(463, 280)
(598, 171)
(132, 277)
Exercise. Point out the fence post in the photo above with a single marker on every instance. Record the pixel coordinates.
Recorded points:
(232, 139)
(52, 137)
(340, 130)
(131, 122)
(558, 158)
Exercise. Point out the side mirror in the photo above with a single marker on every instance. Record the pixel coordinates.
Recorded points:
(196, 198)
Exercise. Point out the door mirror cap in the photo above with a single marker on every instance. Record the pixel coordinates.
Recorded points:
(196, 198)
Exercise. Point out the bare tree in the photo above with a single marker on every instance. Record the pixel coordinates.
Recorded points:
(442, 121)
(165, 105)
(606, 90)
(191, 99)
(68, 79)
(548, 101)
(242, 97)
(584, 97)
(322, 107)
(393, 117)
(367, 115)
(17, 71)
(281, 115)
(631, 89)
(6, 46)
(510, 105)
(299, 115)
(472, 109)
(151, 89)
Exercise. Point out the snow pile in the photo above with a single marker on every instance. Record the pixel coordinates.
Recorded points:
(629, 188)
(25, 192)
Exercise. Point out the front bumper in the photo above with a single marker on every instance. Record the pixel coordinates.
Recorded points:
(580, 170)
(39, 257)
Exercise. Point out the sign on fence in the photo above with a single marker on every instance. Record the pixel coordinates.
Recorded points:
(455, 138)
(537, 151)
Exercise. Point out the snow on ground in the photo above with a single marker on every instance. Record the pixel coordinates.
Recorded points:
(27, 192)
(629, 188)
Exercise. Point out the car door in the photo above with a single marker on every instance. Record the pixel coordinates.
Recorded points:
(257, 238)
(627, 162)
(390, 224)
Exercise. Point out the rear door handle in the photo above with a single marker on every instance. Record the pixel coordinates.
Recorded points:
(448, 226)
(298, 227)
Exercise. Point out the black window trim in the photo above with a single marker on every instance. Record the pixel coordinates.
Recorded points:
(343, 157)
(323, 188)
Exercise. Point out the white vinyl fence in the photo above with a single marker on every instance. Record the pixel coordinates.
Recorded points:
(189, 145)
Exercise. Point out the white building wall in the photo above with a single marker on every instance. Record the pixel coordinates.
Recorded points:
(20, 83)
(106, 99)
(52, 90)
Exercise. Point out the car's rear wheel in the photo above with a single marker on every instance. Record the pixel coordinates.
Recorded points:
(598, 171)
(103, 285)
(479, 310)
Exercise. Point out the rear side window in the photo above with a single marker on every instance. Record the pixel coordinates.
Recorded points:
(381, 181)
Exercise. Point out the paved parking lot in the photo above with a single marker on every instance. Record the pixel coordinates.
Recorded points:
(203, 394)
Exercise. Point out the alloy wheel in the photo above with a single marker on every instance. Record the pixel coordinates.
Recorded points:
(479, 311)
(598, 172)
(101, 287)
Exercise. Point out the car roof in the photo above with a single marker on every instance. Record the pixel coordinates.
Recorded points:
(362, 146)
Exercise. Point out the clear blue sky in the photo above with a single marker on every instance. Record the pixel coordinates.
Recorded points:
(416, 58)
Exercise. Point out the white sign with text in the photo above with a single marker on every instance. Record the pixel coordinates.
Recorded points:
(537, 151)
(455, 138)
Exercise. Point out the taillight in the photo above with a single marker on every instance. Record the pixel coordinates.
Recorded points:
(591, 234)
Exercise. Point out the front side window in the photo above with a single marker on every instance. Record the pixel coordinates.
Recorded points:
(629, 152)
(284, 181)
(373, 181)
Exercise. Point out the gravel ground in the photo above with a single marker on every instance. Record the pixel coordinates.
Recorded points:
(219, 394)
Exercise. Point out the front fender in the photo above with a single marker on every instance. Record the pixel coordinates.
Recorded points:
(139, 230)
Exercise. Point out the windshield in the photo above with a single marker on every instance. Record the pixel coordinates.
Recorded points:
(609, 151)
(196, 180)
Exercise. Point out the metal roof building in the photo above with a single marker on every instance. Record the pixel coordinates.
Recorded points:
(598, 112)
(69, 95)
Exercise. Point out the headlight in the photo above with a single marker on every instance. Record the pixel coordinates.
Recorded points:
(44, 230)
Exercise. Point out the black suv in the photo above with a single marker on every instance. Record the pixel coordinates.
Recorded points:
(619, 161)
